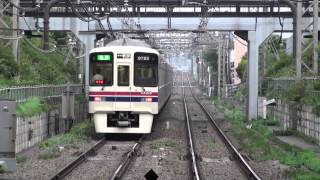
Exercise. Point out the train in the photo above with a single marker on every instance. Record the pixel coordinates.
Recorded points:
(129, 83)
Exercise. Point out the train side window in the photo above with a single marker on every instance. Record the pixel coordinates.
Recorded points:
(123, 75)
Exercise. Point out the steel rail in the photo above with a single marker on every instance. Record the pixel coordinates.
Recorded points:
(244, 164)
(195, 169)
(124, 164)
(74, 164)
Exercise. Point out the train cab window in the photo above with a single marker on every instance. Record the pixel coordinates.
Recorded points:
(101, 69)
(123, 75)
(145, 70)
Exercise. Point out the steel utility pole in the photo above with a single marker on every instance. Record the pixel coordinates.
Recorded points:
(298, 47)
(15, 33)
(46, 16)
(315, 35)
(219, 68)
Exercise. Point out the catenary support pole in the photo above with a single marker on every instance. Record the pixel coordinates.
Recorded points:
(252, 80)
(46, 16)
(315, 35)
(298, 39)
(15, 33)
(219, 68)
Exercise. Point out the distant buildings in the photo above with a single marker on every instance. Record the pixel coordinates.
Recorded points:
(240, 49)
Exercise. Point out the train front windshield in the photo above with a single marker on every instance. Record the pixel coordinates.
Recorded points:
(101, 69)
(145, 70)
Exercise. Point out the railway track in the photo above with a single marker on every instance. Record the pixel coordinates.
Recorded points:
(79, 160)
(127, 160)
(245, 167)
(120, 170)
(194, 166)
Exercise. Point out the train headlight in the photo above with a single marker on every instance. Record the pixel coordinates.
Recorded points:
(148, 99)
(97, 98)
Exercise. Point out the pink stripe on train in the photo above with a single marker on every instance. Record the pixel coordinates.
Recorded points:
(92, 93)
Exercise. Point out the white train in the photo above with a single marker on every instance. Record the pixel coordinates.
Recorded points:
(128, 84)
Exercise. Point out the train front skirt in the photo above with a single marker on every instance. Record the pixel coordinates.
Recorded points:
(105, 123)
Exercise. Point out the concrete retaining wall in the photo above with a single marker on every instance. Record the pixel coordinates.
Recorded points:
(296, 117)
(31, 131)
(291, 116)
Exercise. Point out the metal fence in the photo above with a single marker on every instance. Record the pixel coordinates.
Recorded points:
(41, 91)
(282, 84)
(231, 89)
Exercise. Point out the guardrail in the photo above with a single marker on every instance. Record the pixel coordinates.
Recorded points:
(41, 91)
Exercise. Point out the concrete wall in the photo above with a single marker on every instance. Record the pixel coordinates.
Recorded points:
(260, 106)
(31, 131)
(291, 116)
(297, 117)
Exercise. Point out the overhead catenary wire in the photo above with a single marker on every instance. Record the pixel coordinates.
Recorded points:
(93, 17)
(25, 39)
(11, 37)
(281, 23)
(86, 9)
(24, 9)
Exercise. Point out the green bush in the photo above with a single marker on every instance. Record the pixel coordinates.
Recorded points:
(8, 67)
(31, 107)
(316, 85)
(35, 67)
(296, 91)
(283, 67)
(79, 132)
(242, 69)
(21, 159)
(45, 68)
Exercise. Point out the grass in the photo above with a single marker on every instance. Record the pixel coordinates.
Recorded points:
(270, 122)
(303, 175)
(260, 142)
(80, 132)
(21, 159)
(212, 144)
(163, 143)
(31, 107)
(49, 153)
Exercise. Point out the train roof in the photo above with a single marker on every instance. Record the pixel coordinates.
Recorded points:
(128, 42)
(116, 45)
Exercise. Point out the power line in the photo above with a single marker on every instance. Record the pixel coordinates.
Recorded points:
(11, 37)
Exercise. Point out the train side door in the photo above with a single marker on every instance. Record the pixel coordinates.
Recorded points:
(123, 92)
